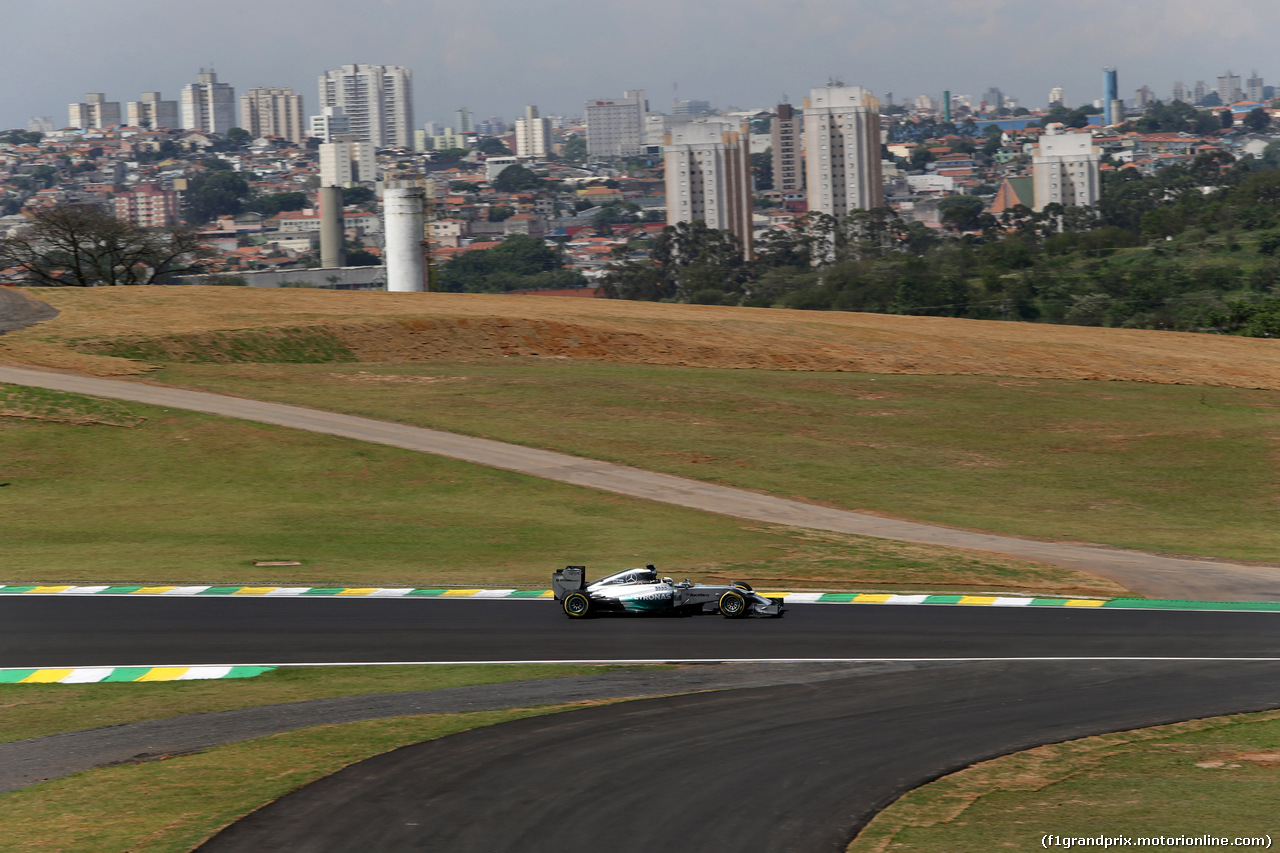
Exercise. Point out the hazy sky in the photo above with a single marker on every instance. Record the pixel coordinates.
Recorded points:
(495, 56)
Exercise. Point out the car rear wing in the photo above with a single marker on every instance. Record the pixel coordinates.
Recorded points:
(567, 580)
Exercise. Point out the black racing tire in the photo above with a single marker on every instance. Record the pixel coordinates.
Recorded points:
(733, 605)
(741, 585)
(577, 605)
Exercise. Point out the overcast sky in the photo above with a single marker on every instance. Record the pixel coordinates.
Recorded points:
(495, 56)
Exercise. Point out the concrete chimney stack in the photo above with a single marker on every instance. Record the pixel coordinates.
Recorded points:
(331, 230)
(404, 208)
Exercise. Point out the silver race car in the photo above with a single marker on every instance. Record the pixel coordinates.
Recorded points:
(643, 591)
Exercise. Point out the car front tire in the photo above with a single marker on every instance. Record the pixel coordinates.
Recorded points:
(733, 605)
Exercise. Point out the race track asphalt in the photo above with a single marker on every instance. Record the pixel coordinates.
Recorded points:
(53, 631)
(767, 770)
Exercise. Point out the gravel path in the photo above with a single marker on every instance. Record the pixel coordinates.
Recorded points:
(18, 311)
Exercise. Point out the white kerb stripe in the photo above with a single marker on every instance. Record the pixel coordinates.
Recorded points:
(1008, 601)
(391, 592)
(185, 590)
(906, 599)
(492, 593)
(87, 675)
(288, 590)
(802, 597)
(196, 673)
(82, 590)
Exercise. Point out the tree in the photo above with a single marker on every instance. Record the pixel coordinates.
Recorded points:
(215, 193)
(238, 137)
(961, 212)
(762, 167)
(520, 262)
(492, 146)
(80, 245)
(1257, 120)
(516, 178)
(575, 150)
(273, 203)
(358, 195)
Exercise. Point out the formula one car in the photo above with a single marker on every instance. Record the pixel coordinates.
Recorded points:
(643, 591)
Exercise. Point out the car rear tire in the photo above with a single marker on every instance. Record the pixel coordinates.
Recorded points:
(577, 605)
(733, 605)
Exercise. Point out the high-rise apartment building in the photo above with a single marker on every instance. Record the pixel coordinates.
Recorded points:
(1112, 106)
(208, 105)
(1057, 98)
(1253, 88)
(1065, 168)
(152, 111)
(273, 112)
(96, 111)
(1229, 88)
(1181, 92)
(708, 177)
(787, 140)
(330, 122)
(615, 127)
(347, 160)
(464, 121)
(842, 150)
(533, 134)
(377, 99)
(1199, 92)
(1144, 96)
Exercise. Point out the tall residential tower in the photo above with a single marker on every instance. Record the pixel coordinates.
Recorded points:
(273, 112)
(708, 177)
(208, 105)
(533, 134)
(842, 150)
(377, 100)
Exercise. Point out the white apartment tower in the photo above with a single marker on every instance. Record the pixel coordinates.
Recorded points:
(615, 127)
(96, 112)
(273, 112)
(208, 105)
(533, 134)
(1065, 166)
(347, 161)
(151, 111)
(708, 177)
(377, 99)
(842, 150)
(786, 131)
(1229, 89)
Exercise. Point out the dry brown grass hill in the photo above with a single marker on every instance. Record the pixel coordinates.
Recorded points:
(198, 322)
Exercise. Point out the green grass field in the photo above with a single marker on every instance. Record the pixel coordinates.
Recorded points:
(1176, 469)
(1219, 777)
(173, 805)
(105, 492)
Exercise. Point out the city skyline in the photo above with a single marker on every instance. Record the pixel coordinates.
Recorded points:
(495, 59)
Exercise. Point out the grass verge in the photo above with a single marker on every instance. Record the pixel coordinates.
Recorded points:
(1176, 469)
(1218, 776)
(172, 805)
(35, 710)
(178, 497)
